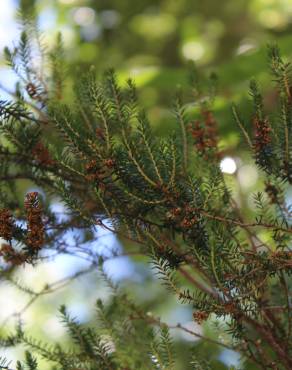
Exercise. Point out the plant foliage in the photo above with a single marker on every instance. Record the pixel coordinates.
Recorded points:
(167, 196)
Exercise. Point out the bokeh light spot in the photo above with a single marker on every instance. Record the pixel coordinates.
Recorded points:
(84, 16)
(228, 165)
(193, 50)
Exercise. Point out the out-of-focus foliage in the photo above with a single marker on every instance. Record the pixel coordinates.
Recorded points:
(153, 41)
(137, 34)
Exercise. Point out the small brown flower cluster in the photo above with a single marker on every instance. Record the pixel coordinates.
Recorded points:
(185, 217)
(93, 171)
(12, 256)
(205, 134)
(35, 226)
(211, 129)
(230, 308)
(42, 155)
(173, 213)
(262, 134)
(98, 173)
(6, 224)
(200, 316)
(198, 133)
(109, 162)
(187, 223)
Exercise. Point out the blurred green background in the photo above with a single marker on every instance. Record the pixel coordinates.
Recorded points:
(151, 41)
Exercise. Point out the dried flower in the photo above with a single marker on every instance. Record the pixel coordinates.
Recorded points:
(205, 134)
(198, 134)
(211, 129)
(200, 316)
(35, 226)
(42, 155)
(188, 222)
(230, 307)
(262, 143)
(93, 170)
(91, 165)
(6, 224)
(176, 211)
(11, 256)
(262, 135)
(109, 162)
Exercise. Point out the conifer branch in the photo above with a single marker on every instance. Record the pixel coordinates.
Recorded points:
(206, 251)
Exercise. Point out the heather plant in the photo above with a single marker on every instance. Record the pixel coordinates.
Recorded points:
(165, 196)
